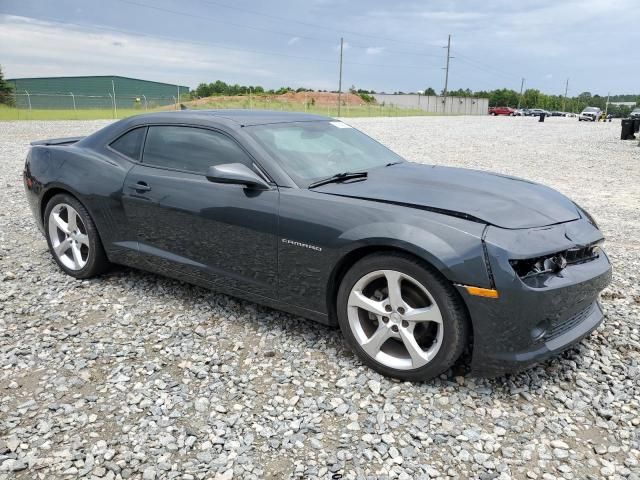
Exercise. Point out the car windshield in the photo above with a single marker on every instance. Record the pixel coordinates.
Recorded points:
(591, 109)
(311, 151)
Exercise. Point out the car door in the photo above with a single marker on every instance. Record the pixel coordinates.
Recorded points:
(188, 227)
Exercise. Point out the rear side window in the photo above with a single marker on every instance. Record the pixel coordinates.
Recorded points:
(190, 148)
(130, 144)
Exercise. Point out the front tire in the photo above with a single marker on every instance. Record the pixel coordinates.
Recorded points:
(73, 238)
(401, 317)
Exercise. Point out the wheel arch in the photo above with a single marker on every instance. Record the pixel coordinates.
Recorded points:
(353, 256)
(52, 192)
(343, 265)
(63, 189)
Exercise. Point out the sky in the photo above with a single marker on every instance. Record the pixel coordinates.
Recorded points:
(388, 46)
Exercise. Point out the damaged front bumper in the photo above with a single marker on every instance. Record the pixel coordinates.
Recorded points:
(537, 314)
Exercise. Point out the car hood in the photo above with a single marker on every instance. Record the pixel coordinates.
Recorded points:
(500, 200)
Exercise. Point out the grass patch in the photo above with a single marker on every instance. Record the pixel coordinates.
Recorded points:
(8, 113)
(369, 110)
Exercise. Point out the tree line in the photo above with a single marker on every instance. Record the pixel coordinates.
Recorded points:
(532, 98)
(222, 88)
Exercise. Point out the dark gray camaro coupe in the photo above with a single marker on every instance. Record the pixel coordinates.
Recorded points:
(308, 215)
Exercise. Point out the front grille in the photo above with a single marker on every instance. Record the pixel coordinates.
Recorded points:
(559, 327)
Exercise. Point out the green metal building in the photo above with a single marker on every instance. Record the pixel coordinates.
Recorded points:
(94, 92)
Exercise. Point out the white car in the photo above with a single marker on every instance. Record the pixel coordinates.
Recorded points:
(590, 114)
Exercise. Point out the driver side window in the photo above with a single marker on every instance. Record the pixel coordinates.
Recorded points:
(190, 149)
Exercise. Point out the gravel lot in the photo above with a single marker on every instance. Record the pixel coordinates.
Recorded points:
(135, 376)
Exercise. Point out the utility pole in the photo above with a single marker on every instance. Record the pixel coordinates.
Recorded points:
(520, 97)
(446, 75)
(606, 106)
(566, 89)
(115, 108)
(340, 79)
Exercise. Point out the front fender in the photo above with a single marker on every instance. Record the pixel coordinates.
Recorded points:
(456, 254)
(321, 233)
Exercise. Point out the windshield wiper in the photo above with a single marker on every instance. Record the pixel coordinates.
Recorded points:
(338, 177)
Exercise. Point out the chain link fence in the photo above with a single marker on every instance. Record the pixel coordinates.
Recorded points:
(60, 101)
(47, 106)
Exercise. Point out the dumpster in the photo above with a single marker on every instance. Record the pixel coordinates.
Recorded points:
(636, 125)
(626, 132)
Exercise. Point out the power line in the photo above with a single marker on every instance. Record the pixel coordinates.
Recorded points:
(314, 25)
(217, 20)
(236, 49)
(262, 29)
(485, 67)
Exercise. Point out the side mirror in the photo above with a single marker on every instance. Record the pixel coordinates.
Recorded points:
(236, 173)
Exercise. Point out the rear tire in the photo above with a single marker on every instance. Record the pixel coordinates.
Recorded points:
(73, 238)
(413, 332)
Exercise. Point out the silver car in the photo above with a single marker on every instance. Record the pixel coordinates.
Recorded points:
(590, 114)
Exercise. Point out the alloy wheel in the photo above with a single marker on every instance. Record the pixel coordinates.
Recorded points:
(68, 235)
(395, 319)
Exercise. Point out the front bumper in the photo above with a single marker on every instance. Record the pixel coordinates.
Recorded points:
(538, 318)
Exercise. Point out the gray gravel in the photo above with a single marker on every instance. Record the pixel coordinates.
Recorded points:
(135, 376)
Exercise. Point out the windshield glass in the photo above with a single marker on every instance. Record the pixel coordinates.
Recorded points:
(311, 151)
(591, 109)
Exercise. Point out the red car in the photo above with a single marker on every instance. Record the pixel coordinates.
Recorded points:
(501, 111)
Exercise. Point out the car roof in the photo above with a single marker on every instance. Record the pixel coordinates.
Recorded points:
(242, 118)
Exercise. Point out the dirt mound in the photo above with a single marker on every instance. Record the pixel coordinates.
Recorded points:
(315, 98)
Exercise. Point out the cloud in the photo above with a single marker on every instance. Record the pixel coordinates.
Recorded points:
(58, 49)
(293, 40)
(374, 50)
(548, 76)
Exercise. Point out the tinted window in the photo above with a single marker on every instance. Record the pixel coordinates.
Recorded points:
(130, 144)
(191, 149)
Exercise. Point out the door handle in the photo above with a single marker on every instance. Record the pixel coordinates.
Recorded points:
(140, 187)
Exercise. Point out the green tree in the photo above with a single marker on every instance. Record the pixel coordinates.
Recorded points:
(504, 97)
(6, 91)
(203, 90)
(530, 98)
(219, 88)
(429, 91)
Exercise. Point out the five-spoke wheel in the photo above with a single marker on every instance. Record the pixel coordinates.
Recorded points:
(68, 236)
(72, 237)
(401, 316)
(395, 319)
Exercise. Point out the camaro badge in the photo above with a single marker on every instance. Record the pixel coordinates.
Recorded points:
(300, 244)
